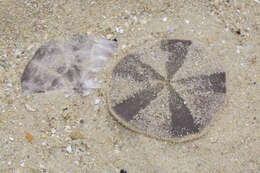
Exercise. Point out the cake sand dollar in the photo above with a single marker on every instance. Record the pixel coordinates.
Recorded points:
(167, 89)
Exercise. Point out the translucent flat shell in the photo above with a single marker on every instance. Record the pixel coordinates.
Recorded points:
(71, 66)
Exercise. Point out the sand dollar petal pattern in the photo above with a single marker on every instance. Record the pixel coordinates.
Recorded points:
(168, 89)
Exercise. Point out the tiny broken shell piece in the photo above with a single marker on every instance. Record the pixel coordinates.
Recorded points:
(71, 66)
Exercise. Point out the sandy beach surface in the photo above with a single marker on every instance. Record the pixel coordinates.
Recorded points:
(56, 134)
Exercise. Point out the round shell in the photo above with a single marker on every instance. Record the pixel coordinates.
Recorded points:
(169, 90)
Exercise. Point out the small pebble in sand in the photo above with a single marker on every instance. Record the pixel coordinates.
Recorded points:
(109, 36)
(123, 171)
(120, 30)
(29, 108)
(22, 164)
(123, 46)
(53, 131)
(43, 136)
(238, 50)
(96, 101)
(81, 122)
(76, 135)
(117, 149)
(86, 93)
(28, 137)
(253, 61)
(76, 162)
(69, 149)
(164, 19)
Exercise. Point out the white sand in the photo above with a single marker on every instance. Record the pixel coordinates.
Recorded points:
(230, 31)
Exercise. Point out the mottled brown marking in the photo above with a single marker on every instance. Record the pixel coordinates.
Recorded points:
(61, 69)
(45, 50)
(55, 83)
(70, 75)
(28, 71)
(77, 70)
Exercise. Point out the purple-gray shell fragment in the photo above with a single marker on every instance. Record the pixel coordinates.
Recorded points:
(70, 66)
(169, 90)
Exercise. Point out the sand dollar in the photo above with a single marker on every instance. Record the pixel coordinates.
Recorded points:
(170, 89)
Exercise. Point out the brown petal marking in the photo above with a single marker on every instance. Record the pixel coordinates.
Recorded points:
(132, 105)
(218, 81)
(182, 120)
(178, 50)
(132, 66)
(215, 82)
